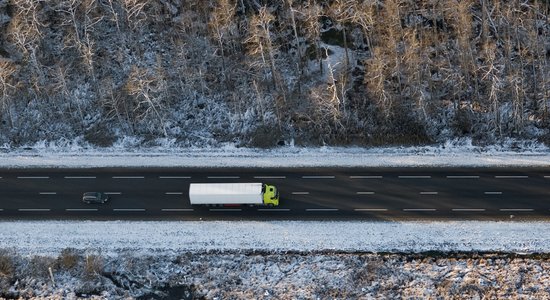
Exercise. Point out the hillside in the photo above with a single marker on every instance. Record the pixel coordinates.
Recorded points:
(262, 73)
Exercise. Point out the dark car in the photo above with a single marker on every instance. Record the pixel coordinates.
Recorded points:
(95, 198)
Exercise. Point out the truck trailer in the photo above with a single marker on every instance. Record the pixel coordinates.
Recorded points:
(233, 194)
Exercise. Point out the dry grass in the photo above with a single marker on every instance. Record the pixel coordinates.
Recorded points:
(68, 259)
(7, 267)
(93, 266)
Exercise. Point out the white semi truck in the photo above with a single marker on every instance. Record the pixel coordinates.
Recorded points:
(233, 194)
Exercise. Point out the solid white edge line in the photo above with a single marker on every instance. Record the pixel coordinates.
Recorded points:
(321, 209)
(371, 209)
(516, 209)
(80, 177)
(33, 177)
(492, 193)
(177, 209)
(419, 209)
(366, 177)
(468, 209)
(174, 177)
(429, 193)
(273, 209)
(300, 193)
(34, 209)
(81, 209)
(510, 177)
(223, 177)
(365, 193)
(225, 209)
(463, 176)
(113, 193)
(270, 177)
(128, 177)
(414, 177)
(47, 193)
(128, 209)
(174, 193)
(318, 177)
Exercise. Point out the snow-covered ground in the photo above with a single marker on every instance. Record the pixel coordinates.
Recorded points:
(111, 237)
(461, 153)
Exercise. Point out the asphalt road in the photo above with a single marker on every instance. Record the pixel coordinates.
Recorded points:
(306, 193)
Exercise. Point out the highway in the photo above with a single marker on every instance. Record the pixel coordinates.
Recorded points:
(305, 193)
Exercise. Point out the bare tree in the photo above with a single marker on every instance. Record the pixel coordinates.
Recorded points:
(222, 24)
(312, 12)
(261, 43)
(375, 79)
(24, 31)
(135, 14)
(148, 88)
(7, 87)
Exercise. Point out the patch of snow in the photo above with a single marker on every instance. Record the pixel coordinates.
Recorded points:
(166, 237)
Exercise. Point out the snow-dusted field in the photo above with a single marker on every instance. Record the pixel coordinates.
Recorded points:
(111, 237)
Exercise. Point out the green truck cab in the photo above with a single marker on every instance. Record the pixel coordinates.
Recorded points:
(271, 195)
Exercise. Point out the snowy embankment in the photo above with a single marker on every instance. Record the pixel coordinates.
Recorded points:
(112, 237)
(452, 154)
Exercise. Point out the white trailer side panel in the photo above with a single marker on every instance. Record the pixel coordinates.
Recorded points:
(226, 193)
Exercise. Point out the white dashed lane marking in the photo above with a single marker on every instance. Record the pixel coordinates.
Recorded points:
(34, 209)
(493, 193)
(419, 209)
(300, 193)
(33, 177)
(510, 177)
(81, 209)
(318, 177)
(321, 209)
(177, 209)
(174, 177)
(371, 209)
(174, 193)
(428, 193)
(365, 193)
(80, 177)
(516, 209)
(113, 193)
(463, 177)
(128, 177)
(226, 209)
(414, 177)
(129, 209)
(468, 209)
(273, 209)
(223, 177)
(270, 177)
(47, 193)
(367, 177)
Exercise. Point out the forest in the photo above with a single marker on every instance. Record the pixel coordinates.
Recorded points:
(264, 73)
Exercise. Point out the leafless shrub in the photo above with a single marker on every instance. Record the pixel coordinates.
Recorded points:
(7, 265)
(38, 267)
(93, 265)
(68, 259)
